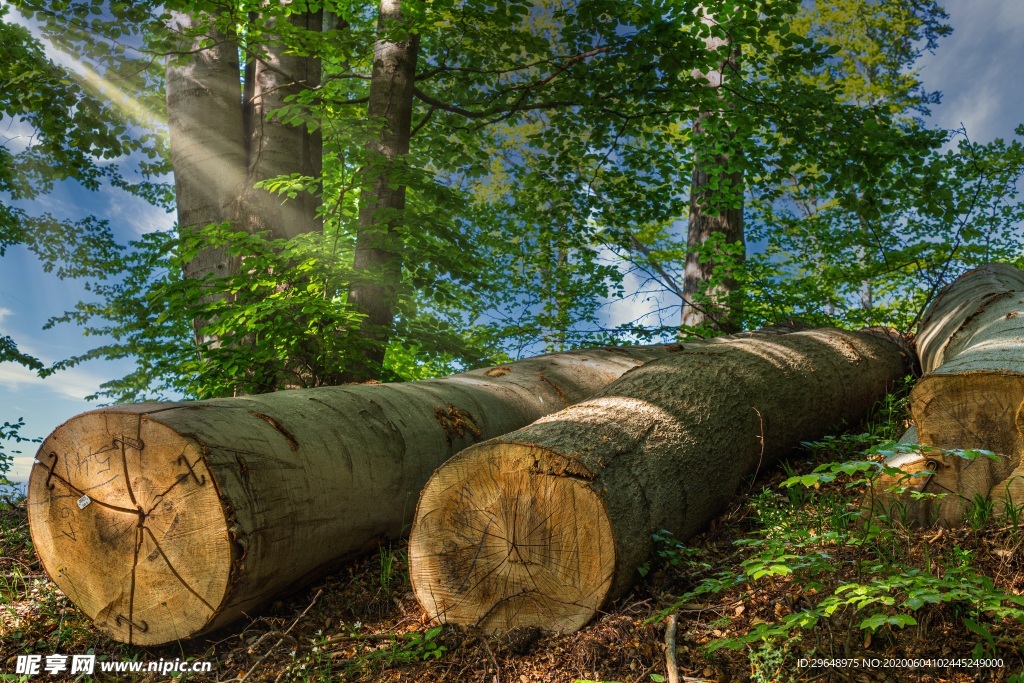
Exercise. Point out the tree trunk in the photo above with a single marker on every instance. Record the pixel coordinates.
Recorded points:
(378, 256)
(544, 525)
(222, 146)
(198, 512)
(276, 148)
(970, 397)
(207, 140)
(716, 306)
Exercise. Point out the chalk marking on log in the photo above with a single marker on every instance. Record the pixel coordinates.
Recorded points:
(182, 460)
(128, 441)
(49, 474)
(142, 626)
(181, 477)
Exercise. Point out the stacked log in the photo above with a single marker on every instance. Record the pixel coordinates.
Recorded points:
(161, 521)
(545, 525)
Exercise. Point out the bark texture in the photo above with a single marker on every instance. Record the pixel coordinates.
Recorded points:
(544, 525)
(221, 146)
(717, 306)
(161, 521)
(275, 148)
(207, 137)
(970, 397)
(378, 257)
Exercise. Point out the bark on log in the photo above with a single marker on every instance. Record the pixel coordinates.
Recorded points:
(970, 397)
(544, 525)
(161, 521)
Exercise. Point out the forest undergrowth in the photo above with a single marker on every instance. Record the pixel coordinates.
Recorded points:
(794, 570)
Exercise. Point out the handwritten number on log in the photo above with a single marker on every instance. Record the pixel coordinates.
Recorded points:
(65, 513)
(49, 474)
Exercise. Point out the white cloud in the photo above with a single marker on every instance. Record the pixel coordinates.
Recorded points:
(978, 69)
(139, 215)
(74, 383)
(15, 134)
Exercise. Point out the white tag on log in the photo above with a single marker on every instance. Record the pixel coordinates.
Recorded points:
(83, 501)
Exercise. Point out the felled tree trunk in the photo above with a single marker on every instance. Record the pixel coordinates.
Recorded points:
(161, 521)
(970, 397)
(544, 525)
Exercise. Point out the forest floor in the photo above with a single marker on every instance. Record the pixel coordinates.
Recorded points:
(789, 572)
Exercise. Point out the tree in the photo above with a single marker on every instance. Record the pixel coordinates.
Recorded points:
(378, 259)
(716, 200)
(871, 248)
(225, 147)
(75, 129)
(541, 114)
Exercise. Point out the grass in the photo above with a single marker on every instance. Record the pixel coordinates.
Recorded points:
(794, 570)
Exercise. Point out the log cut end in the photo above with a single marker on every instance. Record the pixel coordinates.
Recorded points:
(965, 411)
(128, 523)
(971, 409)
(510, 535)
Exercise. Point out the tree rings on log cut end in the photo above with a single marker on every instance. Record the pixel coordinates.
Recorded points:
(127, 521)
(965, 411)
(509, 535)
(973, 409)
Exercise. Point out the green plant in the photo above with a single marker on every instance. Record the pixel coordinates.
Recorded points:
(1010, 512)
(771, 661)
(313, 664)
(422, 645)
(797, 540)
(979, 511)
(405, 649)
(387, 568)
(671, 552)
(10, 431)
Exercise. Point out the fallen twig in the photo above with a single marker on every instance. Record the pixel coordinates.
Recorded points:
(283, 636)
(16, 576)
(331, 640)
(670, 648)
(497, 675)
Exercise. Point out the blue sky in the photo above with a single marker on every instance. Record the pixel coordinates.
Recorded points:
(979, 69)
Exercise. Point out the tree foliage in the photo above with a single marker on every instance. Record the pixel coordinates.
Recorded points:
(547, 181)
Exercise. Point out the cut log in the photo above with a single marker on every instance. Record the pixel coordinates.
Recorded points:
(543, 526)
(161, 521)
(970, 397)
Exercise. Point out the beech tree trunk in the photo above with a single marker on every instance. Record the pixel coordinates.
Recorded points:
(275, 148)
(378, 257)
(545, 525)
(207, 138)
(718, 306)
(970, 397)
(161, 521)
(221, 146)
